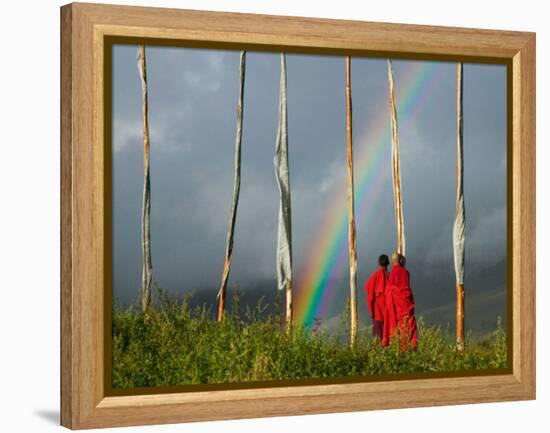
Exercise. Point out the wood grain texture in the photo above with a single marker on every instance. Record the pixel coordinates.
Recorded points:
(84, 400)
(256, 31)
(67, 394)
(524, 215)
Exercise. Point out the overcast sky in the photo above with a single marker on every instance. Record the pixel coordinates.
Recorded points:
(193, 95)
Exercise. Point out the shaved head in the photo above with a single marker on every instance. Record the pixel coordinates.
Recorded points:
(397, 258)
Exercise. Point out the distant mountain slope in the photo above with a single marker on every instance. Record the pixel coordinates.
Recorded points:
(481, 311)
(433, 289)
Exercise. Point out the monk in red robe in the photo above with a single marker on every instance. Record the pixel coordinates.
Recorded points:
(399, 316)
(375, 289)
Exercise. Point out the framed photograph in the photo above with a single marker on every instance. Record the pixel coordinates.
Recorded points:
(266, 215)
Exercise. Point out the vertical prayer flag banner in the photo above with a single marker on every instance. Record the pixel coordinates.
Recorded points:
(147, 273)
(459, 226)
(236, 187)
(396, 167)
(351, 210)
(284, 230)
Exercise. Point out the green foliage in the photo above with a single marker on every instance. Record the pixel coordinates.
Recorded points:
(174, 344)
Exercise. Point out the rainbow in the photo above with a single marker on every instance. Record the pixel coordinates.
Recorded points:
(316, 284)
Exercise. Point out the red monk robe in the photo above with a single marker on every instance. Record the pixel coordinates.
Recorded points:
(375, 289)
(399, 316)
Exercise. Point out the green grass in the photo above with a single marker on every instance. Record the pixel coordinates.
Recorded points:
(174, 344)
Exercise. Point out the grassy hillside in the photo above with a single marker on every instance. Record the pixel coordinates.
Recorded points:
(174, 344)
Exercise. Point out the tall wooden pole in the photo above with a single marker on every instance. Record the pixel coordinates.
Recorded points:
(351, 211)
(460, 214)
(236, 189)
(396, 167)
(289, 311)
(147, 272)
(284, 232)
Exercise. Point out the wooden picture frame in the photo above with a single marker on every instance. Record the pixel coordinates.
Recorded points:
(85, 400)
